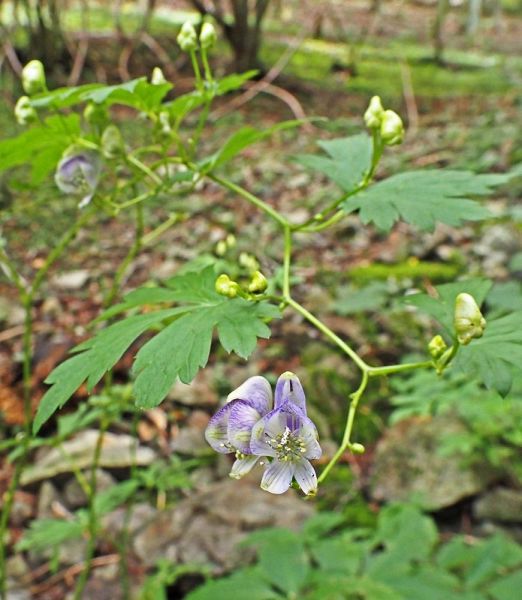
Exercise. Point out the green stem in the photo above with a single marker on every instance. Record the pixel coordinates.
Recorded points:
(286, 262)
(197, 70)
(206, 65)
(11, 272)
(144, 169)
(160, 229)
(401, 368)
(346, 442)
(329, 334)
(226, 183)
(92, 527)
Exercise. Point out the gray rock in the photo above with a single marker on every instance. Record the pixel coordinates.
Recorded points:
(200, 392)
(206, 527)
(47, 497)
(140, 516)
(16, 593)
(74, 494)
(500, 504)
(191, 439)
(118, 450)
(407, 466)
(71, 280)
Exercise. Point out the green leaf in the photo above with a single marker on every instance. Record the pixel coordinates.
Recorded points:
(49, 533)
(505, 297)
(442, 308)
(92, 360)
(423, 198)
(240, 140)
(506, 588)
(183, 347)
(114, 496)
(348, 160)
(281, 558)
(495, 556)
(247, 584)
(496, 356)
(234, 82)
(339, 555)
(40, 146)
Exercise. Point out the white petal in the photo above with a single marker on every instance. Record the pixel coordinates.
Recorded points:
(278, 477)
(242, 466)
(305, 476)
(256, 391)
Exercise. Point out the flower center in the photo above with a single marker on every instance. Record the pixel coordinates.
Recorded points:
(288, 446)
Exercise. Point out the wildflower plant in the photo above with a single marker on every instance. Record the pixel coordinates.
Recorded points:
(68, 133)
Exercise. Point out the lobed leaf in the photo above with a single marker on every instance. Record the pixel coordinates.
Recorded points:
(348, 160)
(425, 197)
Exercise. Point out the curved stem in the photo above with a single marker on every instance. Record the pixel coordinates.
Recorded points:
(144, 169)
(286, 262)
(346, 443)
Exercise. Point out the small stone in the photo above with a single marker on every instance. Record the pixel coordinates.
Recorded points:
(500, 504)
(71, 280)
(141, 514)
(407, 466)
(118, 451)
(191, 439)
(47, 497)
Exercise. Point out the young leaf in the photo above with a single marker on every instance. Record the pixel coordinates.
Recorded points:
(348, 160)
(234, 82)
(49, 533)
(40, 146)
(424, 197)
(240, 140)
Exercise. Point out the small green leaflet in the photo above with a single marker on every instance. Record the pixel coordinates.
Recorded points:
(348, 160)
(179, 350)
(240, 140)
(494, 357)
(424, 197)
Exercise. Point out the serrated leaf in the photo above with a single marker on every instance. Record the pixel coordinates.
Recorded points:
(49, 533)
(247, 584)
(505, 588)
(347, 162)
(423, 198)
(91, 361)
(495, 357)
(240, 140)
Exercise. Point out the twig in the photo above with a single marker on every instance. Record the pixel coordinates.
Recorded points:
(409, 98)
(79, 61)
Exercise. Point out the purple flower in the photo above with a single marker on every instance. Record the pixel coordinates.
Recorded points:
(230, 429)
(78, 174)
(252, 427)
(289, 437)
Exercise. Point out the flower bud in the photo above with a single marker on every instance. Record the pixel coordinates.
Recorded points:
(157, 77)
(164, 121)
(374, 113)
(111, 142)
(437, 347)
(187, 37)
(208, 36)
(469, 322)
(258, 284)
(78, 173)
(231, 240)
(392, 129)
(226, 287)
(357, 448)
(221, 248)
(24, 111)
(33, 77)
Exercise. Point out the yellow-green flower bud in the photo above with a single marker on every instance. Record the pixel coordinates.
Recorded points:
(187, 37)
(258, 284)
(24, 111)
(469, 322)
(226, 287)
(221, 248)
(164, 121)
(231, 240)
(437, 347)
(392, 128)
(111, 142)
(157, 77)
(208, 36)
(374, 113)
(33, 77)
(357, 448)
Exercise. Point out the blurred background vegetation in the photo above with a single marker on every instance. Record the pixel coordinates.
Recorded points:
(446, 450)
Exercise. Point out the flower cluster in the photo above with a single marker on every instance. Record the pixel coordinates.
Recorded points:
(277, 433)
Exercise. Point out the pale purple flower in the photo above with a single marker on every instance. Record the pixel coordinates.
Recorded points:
(289, 437)
(78, 174)
(252, 427)
(230, 429)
